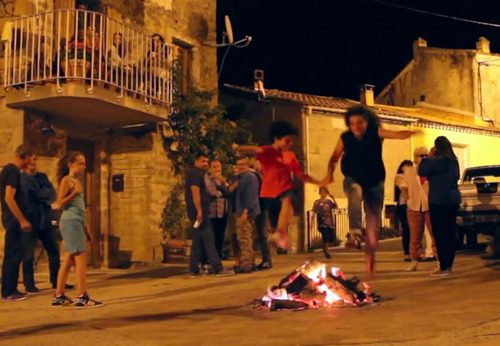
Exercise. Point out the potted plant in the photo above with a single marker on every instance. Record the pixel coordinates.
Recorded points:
(174, 224)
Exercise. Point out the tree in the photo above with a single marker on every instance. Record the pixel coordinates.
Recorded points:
(197, 125)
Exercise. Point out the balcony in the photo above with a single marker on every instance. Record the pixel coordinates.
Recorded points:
(86, 67)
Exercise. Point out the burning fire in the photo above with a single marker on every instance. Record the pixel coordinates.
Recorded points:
(311, 286)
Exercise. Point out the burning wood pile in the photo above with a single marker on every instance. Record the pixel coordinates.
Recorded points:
(311, 286)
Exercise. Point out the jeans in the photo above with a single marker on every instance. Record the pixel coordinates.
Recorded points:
(204, 236)
(30, 239)
(418, 220)
(403, 220)
(262, 234)
(443, 220)
(12, 257)
(372, 199)
(219, 229)
(244, 230)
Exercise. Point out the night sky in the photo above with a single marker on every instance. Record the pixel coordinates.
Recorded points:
(330, 47)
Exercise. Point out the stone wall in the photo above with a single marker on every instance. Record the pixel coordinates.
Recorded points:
(442, 77)
(135, 213)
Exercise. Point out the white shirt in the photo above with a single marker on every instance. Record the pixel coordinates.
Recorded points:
(418, 194)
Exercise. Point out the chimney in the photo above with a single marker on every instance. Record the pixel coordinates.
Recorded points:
(419, 43)
(366, 96)
(258, 79)
(483, 45)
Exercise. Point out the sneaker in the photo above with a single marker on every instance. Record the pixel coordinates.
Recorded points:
(413, 267)
(407, 259)
(86, 302)
(239, 270)
(327, 255)
(281, 251)
(19, 293)
(194, 275)
(33, 289)
(440, 273)
(225, 272)
(265, 265)
(61, 300)
(428, 259)
(14, 298)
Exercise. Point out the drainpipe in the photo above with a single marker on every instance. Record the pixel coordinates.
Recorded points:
(305, 118)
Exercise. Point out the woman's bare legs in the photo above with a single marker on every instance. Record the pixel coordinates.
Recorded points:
(372, 219)
(62, 276)
(81, 272)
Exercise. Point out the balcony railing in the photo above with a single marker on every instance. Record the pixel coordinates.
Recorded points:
(76, 46)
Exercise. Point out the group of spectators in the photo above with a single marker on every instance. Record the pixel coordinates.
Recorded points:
(26, 196)
(428, 199)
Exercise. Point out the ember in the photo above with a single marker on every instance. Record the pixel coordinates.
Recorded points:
(311, 286)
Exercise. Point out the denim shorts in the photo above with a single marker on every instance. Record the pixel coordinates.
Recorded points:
(273, 205)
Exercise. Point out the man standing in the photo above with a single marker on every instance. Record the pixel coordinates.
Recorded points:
(14, 221)
(247, 209)
(260, 224)
(40, 194)
(198, 205)
(416, 192)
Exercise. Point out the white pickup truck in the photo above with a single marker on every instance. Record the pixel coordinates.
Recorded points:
(480, 208)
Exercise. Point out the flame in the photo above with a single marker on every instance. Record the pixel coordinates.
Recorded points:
(317, 273)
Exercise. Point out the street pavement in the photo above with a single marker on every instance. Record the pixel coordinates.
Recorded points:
(162, 305)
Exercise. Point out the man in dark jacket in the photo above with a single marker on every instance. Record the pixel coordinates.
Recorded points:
(40, 194)
(247, 209)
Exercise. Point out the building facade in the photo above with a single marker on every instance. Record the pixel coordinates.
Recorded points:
(320, 121)
(464, 79)
(88, 75)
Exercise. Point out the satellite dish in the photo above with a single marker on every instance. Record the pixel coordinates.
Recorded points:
(229, 29)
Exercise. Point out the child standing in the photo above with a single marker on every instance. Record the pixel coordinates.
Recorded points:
(323, 208)
(73, 230)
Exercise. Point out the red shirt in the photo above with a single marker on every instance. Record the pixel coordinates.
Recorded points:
(278, 167)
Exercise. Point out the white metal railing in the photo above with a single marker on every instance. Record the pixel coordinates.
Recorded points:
(341, 223)
(69, 45)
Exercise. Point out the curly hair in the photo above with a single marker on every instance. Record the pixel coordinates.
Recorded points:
(62, 164)
(280, 129)
(370, 116)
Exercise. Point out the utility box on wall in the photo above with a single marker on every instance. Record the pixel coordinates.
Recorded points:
(118, 183)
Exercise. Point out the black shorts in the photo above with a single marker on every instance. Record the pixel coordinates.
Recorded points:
(327, 234)
(273, 206)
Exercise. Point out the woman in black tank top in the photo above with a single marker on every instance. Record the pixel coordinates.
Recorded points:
(360, 148)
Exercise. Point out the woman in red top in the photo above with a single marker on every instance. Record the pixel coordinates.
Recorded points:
(279, 167)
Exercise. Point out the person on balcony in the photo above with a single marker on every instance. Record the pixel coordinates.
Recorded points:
(156, 73)
(121, 70)
(360, 148)
(324, 208)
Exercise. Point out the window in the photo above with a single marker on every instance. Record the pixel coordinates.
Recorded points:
(182, 59)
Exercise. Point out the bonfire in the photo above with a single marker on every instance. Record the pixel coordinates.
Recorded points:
(312, 286)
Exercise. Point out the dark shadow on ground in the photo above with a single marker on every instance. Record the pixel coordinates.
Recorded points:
(153, 273)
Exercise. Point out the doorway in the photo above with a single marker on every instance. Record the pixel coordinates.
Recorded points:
(90, 189)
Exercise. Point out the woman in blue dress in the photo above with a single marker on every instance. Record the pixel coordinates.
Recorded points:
(74, 233)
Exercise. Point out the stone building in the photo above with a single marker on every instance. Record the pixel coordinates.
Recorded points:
(320, 123)
(95, 80)
(464, 79)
